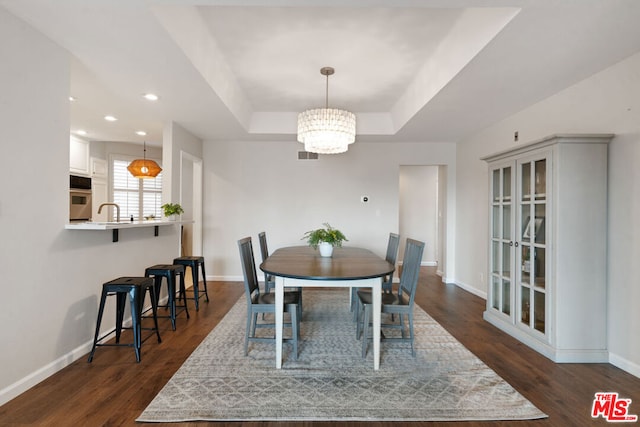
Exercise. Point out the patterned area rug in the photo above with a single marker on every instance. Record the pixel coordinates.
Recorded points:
(330, 381)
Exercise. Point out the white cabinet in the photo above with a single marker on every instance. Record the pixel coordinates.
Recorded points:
(78, 156)
(98, 168)
(100, 195)
(99, 184)
(548, 246)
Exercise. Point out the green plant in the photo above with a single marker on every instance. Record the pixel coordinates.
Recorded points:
(328, 234)
(172, 209)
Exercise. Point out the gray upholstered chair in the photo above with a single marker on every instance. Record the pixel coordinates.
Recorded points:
(400, 303)
(264, 303)
(387, 281)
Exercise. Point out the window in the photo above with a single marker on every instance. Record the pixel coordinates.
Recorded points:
(137, 197)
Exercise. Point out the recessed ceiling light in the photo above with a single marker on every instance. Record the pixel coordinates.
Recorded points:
(141, 133)
(72, 98)
(150, 96)
(81, 132)
(110, 118)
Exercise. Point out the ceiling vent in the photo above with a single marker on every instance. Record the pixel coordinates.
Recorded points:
(307, 155)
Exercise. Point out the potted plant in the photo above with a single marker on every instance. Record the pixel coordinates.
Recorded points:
(171, 210)
(325, 239)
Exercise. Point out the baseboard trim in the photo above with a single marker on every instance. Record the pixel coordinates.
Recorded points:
(24, 384)
(424, 263)
(14, 390)
(471, 289)
(554, 354)
(225, 279)
(625, 364)
(581, 356)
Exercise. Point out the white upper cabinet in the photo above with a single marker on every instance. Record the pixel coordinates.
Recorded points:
(98, 168)
(79, 156)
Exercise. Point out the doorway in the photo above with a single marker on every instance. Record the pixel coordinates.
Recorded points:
(421, 211)
(191, 201)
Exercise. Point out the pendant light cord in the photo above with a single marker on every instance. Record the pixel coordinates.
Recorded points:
(326, 99)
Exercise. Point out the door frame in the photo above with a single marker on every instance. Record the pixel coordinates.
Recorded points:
(195, 182)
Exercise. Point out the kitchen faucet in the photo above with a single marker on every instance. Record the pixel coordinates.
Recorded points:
(111, 204)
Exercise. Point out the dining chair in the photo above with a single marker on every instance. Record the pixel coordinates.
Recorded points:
(400, 303)
(387, 281)
(269, 280)
(264, 303)
(391, 257)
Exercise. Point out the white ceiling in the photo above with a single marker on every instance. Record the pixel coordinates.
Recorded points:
(430, 70)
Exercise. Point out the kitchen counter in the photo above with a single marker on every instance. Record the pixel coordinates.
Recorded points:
(111, 225)
(115, 226)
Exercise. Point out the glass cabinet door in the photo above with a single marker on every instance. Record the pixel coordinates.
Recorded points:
(531, 255)
(501, 255)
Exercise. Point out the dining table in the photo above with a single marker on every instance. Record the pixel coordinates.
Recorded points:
(302, 266)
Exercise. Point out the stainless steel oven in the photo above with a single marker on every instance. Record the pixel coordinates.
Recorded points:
(80, 198)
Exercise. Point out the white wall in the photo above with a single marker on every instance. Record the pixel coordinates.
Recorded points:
(261, 186)
(182, 155)
(104, 149)
(52, 277)
(443, 220)
(175, 139)
(608, 102)
(418, 208)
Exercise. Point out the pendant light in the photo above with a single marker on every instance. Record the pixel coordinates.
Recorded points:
(326, 130)
(144, 168)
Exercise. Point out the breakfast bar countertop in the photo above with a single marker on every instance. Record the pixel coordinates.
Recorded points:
(114, 225)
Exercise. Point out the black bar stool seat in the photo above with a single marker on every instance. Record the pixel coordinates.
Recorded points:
(169, 272)
(195, 262)
(135, 288)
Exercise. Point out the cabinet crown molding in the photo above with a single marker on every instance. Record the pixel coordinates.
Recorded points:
(568, 138)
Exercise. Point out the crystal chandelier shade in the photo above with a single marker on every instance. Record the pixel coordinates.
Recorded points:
(326, 130)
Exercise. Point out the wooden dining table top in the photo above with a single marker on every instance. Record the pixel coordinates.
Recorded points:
(347, 263)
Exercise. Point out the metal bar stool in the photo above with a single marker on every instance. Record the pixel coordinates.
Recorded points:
(136, 288)
(169, 272)
(195, 262)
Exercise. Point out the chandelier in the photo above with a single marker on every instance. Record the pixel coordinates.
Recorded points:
(144, 168)
(326, 130)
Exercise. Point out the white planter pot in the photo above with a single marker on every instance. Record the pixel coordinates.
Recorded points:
(326, 249)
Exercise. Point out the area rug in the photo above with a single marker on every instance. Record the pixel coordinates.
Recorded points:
(330, 381)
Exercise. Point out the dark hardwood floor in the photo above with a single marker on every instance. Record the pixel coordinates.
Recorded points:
(114, 389)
